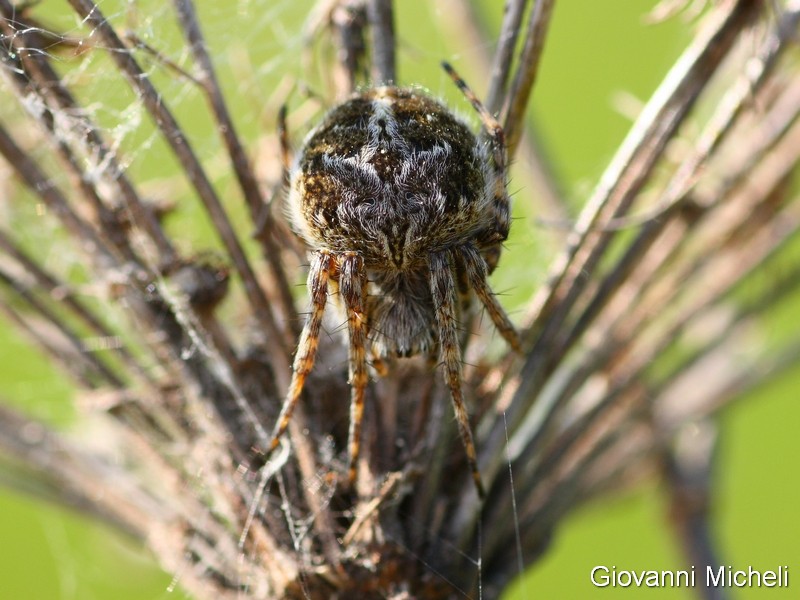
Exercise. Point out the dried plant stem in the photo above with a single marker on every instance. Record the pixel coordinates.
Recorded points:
(256, 203)
(528, 66)
(620, 184)
(174, 136)
(381, 19)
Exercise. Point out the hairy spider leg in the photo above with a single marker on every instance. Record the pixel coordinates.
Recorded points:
(475, 267)
(318, 275)
(353, 287)
(478, 265)
(444, 299)
(492, 237)
(491, 126)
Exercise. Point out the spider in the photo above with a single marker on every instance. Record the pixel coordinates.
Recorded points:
(404, 209)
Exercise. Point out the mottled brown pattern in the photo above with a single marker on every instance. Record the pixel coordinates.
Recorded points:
(345, 208)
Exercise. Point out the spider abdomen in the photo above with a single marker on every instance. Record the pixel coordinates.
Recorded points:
(393, 175)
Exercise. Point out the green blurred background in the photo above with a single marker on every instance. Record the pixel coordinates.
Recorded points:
(596, 50)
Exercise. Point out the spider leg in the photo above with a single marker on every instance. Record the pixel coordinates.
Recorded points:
(475, 267)
(444, 300)
(491, 126)
(353, 288)
(489, 240)
(318, 276)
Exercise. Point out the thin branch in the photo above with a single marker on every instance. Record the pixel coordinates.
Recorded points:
(381, 19)
(256, 203)
(38, 182)
(182, 325)
(625, 379)
(504, 55)
(535, 174)
(679, 188)
(527, 69)
(94, 365)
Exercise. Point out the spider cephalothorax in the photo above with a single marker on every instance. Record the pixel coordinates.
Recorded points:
(398, 200)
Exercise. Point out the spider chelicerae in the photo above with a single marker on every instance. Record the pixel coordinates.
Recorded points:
(405, 211)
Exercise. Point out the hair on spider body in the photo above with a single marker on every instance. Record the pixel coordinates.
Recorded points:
(391, 174)
(401, 206)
